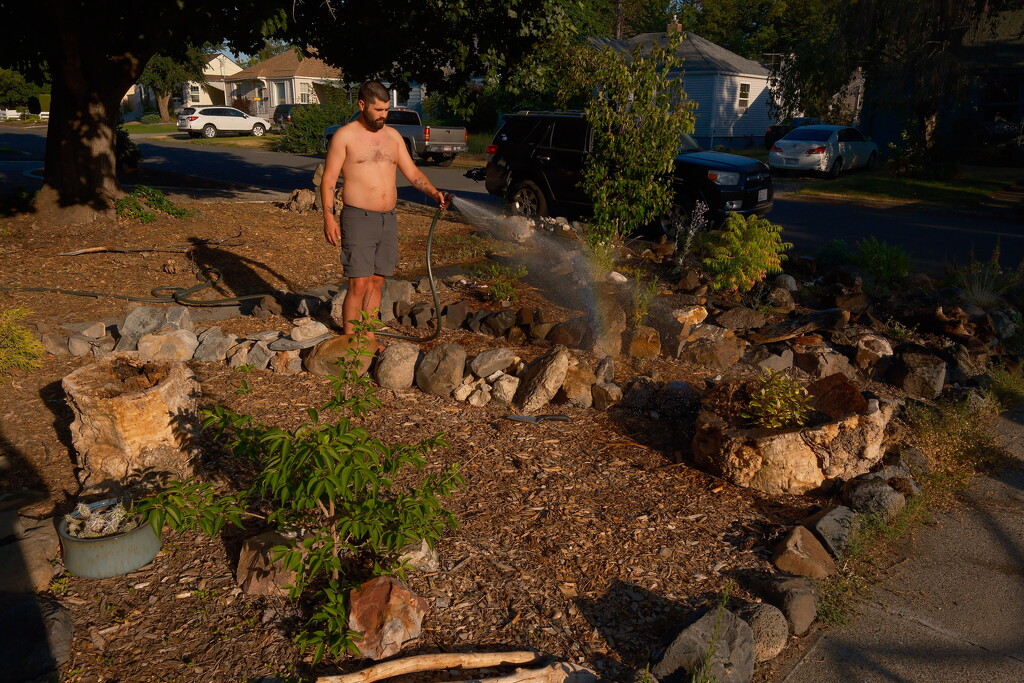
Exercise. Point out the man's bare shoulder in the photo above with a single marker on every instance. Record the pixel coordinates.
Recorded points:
(349, 129)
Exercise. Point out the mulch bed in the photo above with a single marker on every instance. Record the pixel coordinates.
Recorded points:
(589, 540)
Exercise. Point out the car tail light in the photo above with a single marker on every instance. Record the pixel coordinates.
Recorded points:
(776, 148)
(816, 150)
(467, 137)
(491, 149)
(192, 118)
(426, 134)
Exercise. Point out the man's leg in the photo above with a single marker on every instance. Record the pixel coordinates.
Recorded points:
(372, 298)
(355, 300)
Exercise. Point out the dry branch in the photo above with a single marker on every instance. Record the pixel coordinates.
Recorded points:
(433, 662)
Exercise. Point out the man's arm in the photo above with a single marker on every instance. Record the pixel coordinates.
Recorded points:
(415, 176)
(332, 169)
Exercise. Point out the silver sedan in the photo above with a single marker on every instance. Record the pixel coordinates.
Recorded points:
(823, 149)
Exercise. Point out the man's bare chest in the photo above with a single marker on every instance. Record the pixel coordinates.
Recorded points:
(374, 153)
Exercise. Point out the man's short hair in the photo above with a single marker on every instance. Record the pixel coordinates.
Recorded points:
(374, 91)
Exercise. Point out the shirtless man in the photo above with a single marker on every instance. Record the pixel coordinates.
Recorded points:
(366, 153)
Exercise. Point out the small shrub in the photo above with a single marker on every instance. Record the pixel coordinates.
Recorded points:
(502, 279)
(644, 291)
(984, 282)
(333, 481)
(885, 263)
(19, 348)
(126, 152)
(1007, 384)
(305, 133)
(743, 252)
(150, 119)
(243, 104)
(130, 207)
(835, 253)
(777, 402)
(898, 331)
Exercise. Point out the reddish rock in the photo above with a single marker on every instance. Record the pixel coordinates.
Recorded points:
(644, 342)
(836, 396)
(387, 614)
(801, 554)
(258, 573)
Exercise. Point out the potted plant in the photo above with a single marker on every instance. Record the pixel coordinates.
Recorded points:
(107, 538)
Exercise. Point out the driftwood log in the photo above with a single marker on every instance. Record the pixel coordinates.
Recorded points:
(557, 672)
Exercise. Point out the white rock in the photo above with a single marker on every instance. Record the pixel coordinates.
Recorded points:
(617, 278)
(504, 389)
(308, 330)
(462, 392)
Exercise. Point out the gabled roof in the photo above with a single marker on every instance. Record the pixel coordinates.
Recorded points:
(287, 65)
(701, 55)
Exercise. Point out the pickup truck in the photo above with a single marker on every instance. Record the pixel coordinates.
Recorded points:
(438, 144)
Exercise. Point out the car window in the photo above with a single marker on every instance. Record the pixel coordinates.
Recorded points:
(853, 135)
(213, 111)
(519, 129)
(688, 144)
(188, 111)
(569, 134)
(403, 118)
(809, 134)
(235, 112)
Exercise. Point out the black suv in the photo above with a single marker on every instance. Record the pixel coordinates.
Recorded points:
(536, 164)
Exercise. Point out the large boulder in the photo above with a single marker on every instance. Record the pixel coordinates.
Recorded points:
(396, 366)
(794, 460)
(801, 554)
(323, 359)
(542, 379)
(441, 370)
(387, 615)
(720, 642)
(919, 373)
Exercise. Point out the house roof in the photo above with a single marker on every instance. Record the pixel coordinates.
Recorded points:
(287, 65)
(700, 54)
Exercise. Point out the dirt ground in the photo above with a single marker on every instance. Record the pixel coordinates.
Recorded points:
(590, 540)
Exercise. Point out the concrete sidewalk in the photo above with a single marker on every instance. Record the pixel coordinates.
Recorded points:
(953, 610)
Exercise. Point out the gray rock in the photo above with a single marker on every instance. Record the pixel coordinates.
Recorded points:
(873, 354)
(639, 394)
(819, 362)
(576, 389)
(677, 399)
(139, 322)
(265, 336)
(94, 331)
(214, 346)
(80, 345)
(422, 314)
(259, 355)
(474, 320)
(480, 396)
(540, 331)
(605, 371)
(715, 355)
(787, 282)
(103, 346)
(54, 344)
(287, 344)
(914, 460)
(171, 345)
(178, 318)
(721, 633)
(503, 389)
(769, 627)
(874, 496)
(35, 637)
(921, 374)
(441, 370)
(740, 318)
(26, 564)
(795, 597)
(835, 529)
(455, 314)
(781, 300)
(542, 379)
(306, 329)
(394, 291)
(420, 556)
(606, 394)
(238, 355)
(491, 361)
(396, 366)
(767, 358)
(604, 338)
(498, 324)
(1002, 325)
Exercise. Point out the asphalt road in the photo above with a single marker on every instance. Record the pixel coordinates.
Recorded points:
(935, 238)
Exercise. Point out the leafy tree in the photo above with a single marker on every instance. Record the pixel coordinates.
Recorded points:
(164, 75)
(271, 48)
(638, 112)
(96, 51)
(15, 90)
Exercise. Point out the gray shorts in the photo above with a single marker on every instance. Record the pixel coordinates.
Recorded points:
(369, 242)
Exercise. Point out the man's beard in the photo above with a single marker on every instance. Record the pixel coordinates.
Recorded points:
(373, 124)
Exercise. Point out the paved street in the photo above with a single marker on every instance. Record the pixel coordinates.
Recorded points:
(933, 237)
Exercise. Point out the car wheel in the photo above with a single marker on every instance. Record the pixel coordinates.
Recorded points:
(835, 169)
(209, 131)
(526, 199)
(443, 161)
(872, 160)
(259, 129)
(678, 219)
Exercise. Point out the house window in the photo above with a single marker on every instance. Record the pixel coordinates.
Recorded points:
(194, 92)
(744, 100)
(304, 93)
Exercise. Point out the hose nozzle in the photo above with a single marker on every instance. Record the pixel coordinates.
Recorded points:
(448, 198)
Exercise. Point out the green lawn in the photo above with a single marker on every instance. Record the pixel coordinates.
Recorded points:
(974, 184)
(150, 128)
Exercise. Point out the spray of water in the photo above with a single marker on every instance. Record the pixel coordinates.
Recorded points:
(555, 263)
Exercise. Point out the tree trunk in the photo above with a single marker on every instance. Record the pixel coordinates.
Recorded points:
(927, 122)
(163, 101)
(80, 176)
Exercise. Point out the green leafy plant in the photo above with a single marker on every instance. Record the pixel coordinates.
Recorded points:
(131, 206)
(126, 153)
(898, 331)
(644, 291)
(638, 112)
(836, 252)
(885, 263)
(984, 282)
(243, 388)
(778, 401)
(502, 279)
(744, 252)
(19, 348)
(331, 486)
(1007, 384)
(304, 135)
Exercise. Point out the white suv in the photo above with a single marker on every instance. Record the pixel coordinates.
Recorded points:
(212, 121)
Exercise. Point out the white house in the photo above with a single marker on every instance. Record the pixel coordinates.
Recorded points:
(283, 79)
(213, 89)
(731, 92)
